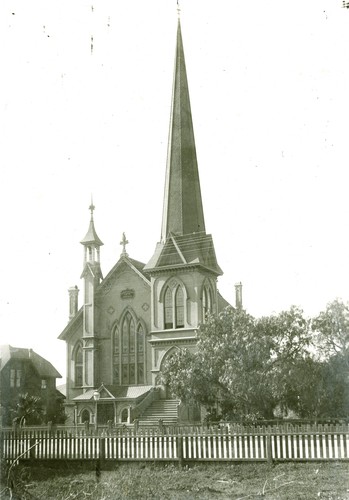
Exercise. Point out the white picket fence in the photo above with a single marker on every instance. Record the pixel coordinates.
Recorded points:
(196, 447)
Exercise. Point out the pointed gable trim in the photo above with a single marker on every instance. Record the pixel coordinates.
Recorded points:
(108, 281)
(72, 325)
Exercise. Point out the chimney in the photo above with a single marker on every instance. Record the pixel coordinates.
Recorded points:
(73, 301)
(238, 295)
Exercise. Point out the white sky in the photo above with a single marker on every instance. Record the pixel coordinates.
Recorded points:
(269, 85)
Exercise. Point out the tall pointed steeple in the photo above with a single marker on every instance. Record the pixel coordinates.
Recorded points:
(184, 241)
(182, 210)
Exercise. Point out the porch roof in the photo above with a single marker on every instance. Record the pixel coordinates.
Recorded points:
(114, 392)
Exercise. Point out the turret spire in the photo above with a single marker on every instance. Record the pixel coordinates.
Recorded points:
(182, 210)
(91, 235)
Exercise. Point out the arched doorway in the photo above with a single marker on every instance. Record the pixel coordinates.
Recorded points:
(124, 416)
(85, 416)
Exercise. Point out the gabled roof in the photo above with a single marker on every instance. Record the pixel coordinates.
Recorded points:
(92, 268)
(73, 323)
(222, 303)
(107, 282)
(43, 367)
(135, 265)
(195, 249)
(115, 392)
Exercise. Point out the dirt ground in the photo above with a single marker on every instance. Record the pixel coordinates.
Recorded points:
(289, 481)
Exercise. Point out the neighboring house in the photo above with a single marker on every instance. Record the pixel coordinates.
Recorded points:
(23, 371)
(139, 314)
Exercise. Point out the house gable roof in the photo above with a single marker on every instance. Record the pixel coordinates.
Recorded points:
(43, 367)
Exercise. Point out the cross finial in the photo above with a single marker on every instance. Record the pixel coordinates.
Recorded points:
(124, 242)
(91, 208)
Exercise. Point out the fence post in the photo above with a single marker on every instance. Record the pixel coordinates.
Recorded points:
(101, 457)
(101, 449)
(32, 451)
(269, 449)
(2, 438)
(180, 450)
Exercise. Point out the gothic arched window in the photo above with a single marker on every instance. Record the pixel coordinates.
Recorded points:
(168, 309)
(179, 304)
(207, 302)
(128, 365)
(78, 365)
(174, 308)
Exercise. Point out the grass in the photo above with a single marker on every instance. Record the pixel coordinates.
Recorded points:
(291, 481)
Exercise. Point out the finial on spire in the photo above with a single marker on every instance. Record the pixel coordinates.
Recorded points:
(91, 207)
(178, 9)
(124, 242)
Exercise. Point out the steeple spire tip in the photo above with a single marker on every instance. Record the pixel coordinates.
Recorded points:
(91, 207)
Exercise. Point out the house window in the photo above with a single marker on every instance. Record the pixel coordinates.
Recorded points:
(128, 363)
(174, 308)
(15, 378)
(206, 302)
(78, 366)
(43, 383)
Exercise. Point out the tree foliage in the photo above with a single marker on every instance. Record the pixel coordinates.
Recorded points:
(331, 329)
(252, 367)
(28, 410)
(241, 362)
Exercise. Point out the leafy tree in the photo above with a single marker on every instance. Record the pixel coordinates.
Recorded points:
(28, 410)
(331, 329)
(241, 362)
(288, 336)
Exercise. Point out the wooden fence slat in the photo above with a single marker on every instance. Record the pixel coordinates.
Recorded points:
(328, 444)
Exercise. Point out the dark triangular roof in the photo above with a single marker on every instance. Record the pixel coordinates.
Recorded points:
(183, 251)
(91, 236)
(182, 210)
(183, 236)
(42, 366)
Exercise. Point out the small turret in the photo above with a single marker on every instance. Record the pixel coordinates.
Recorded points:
(91, 241)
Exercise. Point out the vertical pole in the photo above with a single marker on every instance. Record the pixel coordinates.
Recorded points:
(32, 448)
(180, 450)
(269, 449)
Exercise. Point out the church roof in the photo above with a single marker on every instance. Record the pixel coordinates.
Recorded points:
(72, 325)
(182, 210)
(91, 236)
(187, 250)
(184, 241)
(43, 367)
(135, 265)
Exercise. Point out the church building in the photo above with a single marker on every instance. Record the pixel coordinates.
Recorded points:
(139, 314)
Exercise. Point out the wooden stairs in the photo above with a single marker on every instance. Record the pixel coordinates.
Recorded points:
(161, 409)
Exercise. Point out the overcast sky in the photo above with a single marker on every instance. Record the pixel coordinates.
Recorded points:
(85, 104)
